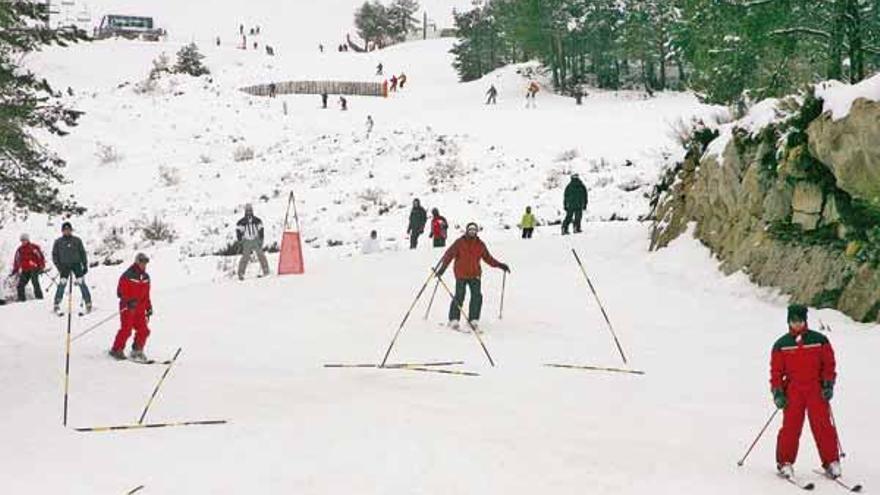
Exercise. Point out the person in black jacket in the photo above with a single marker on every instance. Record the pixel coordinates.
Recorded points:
(418, 217)
(250, 234)
(575, 202)
(69, 257)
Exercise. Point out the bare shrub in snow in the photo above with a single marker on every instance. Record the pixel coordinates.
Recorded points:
(446, 171)
(205, 159)
(111, 243)
(169, 176)
(161, 65)
(156, 230)
(108, 154)
(243, 153)
(556, 177)
(567, 155)
(372, 195)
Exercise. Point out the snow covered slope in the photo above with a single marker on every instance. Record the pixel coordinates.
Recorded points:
(253, 354)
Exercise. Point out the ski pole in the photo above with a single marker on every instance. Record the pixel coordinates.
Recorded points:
(135, 490)
(471, 325)
(503, 285)
(604, 314)
(834, 424)
(159, 384)
(766, 425)
(431, 302)
(67, 351)
(152, 425)
(96, 325)
(406, 317)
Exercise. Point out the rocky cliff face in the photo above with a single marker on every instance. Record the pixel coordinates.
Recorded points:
(796, 207)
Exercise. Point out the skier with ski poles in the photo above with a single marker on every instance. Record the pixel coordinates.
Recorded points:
(467, 252)
(492, 95)
(28, 265)
(135, 310)
(802, 377)
(69, 257)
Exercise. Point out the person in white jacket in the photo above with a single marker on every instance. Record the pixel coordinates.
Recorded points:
(371, 244)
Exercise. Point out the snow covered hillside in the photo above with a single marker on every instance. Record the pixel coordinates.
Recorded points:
(254, 352)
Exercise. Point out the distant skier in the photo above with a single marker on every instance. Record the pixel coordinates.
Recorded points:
(217, 41)
(273, 90)
(575, 202)
(394, 81)
(401, 80)
(467, 252)
(343, 103)
(135, 310)
(241, 29)
(250, 234)
(418, 217)
(802, 377)
(527, 223)
(324, 100)
(380, 69)
(371, 244)
(370, 125)
(531, 94)
(492, 95)
(256, 45)
(439, 228)
(578, 95)
(69, 257)
(258, 29)
(321, 48)
(28, 265)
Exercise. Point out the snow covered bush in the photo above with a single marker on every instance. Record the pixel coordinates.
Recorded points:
(556, 177)
(205, 159)
(445, 171)
(169, 176)
(189, 61)
(156, 230)
(243, 153)
(108, 154)
(151, 83)
(111, 243)
(372, 195)
(567, 155)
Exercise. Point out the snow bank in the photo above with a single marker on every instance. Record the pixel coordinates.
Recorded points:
(839, 97)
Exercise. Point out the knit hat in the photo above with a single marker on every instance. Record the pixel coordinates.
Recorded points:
(472, 226)
(797, 312)
(66, 226)
(249, 208)
(25, 237)
(141, 258)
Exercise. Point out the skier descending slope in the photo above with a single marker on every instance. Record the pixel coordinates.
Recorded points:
(135, 308)
(250, 234)
(467, 252)
(802, 375)
(69, 257)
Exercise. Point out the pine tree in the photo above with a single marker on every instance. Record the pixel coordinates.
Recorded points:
(189, 61)
(30, 173)
(402, 19)
(372, 23)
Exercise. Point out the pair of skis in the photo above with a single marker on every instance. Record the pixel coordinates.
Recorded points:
(809, 485)
(426, 367)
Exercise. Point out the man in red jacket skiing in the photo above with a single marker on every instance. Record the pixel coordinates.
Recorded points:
(135, 309)
(29, 264)
(467, 252)
(802, 376)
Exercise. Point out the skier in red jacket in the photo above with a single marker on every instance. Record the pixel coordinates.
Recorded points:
(28, 265)
(802, 376)
(439, 226)
(467, 252)
(135, 309)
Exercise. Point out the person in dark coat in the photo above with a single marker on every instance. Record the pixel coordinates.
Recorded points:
(418, 217)
(324, 97)
(574, 202)
(343, 103)
(492, 95)
(69, 257)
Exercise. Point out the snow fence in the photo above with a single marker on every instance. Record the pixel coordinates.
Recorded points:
(320, 87)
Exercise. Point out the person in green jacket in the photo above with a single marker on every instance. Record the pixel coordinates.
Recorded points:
(527, 224)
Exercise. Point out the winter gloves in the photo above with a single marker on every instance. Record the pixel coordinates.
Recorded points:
(827, 390)
(779, 398)
(504, 267)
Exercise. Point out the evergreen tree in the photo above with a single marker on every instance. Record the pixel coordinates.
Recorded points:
(29, 173)
(373, 23)
(402, 18)
(189, 61)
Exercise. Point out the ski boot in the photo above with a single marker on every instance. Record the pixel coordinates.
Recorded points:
(117, 355)
(455, 325)
(832, 470)
(786, 471)
(138, 356)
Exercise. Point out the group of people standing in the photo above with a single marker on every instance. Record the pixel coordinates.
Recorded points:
(418, 219)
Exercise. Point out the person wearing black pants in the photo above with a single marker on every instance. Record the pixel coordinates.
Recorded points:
(418, 217)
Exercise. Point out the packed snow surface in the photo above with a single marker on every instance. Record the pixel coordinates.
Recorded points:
(253, 352)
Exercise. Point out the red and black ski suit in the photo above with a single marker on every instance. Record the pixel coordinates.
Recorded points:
(134, 307)
(28, 258)
(799, 365)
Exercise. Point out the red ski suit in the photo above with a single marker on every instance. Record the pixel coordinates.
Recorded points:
(467, 253)
(799, 364)
(134, 304)
(28, 258)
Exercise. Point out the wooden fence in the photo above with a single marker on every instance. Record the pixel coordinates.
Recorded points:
(319, 87)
